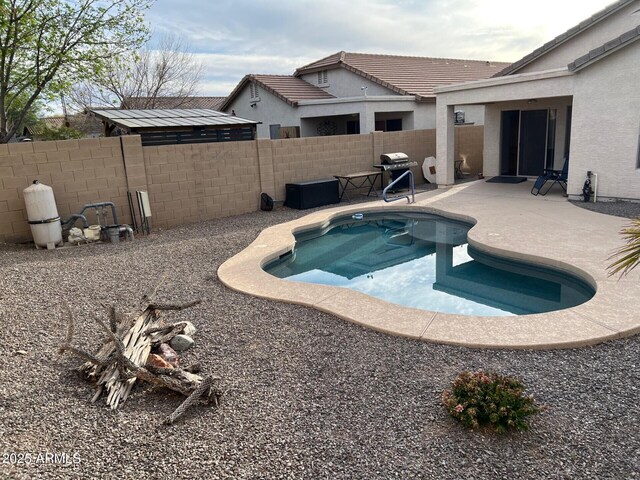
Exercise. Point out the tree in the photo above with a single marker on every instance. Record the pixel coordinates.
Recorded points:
(629, 254)
(140, 80)
(29, 119)
(61, 133)
(48, 45)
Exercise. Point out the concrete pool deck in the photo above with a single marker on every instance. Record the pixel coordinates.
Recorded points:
(510, 222)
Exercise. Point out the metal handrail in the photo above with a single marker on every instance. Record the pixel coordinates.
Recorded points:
(413, 191)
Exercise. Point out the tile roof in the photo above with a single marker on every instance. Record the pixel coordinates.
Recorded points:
(288, 88)
(213, 103)
(407, 75)
(154, 118)
(79, 121)
(582, 26)
(605, 49)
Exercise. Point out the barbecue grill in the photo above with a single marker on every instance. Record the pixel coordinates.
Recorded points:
(396, 164)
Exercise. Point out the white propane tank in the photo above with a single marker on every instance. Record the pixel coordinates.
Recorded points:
(43, 215)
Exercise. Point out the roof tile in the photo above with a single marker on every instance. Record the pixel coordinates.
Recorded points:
(290, 88)
(407, 75)
(213, 103)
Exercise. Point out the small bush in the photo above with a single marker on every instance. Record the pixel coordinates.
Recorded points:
(487, 399)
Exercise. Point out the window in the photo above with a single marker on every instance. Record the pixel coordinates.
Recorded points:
(323, 77)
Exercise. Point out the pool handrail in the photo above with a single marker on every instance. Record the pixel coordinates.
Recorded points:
(411, 184)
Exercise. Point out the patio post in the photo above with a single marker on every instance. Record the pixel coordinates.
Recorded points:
(445, 142)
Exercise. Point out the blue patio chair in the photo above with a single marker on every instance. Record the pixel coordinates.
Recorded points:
(553, 176)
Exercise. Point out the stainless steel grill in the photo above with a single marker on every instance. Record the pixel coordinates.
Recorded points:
(395, 161)
(396, 164)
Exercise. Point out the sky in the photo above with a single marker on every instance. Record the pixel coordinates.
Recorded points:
(237, 37)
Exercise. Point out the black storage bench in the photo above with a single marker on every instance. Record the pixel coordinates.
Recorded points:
(312, 194)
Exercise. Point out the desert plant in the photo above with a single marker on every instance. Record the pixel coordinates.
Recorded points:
(487, 399)
(629, 254)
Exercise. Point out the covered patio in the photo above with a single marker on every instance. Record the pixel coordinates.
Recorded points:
(527, 124)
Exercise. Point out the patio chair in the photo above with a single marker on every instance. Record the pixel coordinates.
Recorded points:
(553, 176)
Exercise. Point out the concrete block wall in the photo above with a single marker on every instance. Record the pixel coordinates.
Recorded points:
(79, 171)
(417, 144)
(318, 158)
(191, 183)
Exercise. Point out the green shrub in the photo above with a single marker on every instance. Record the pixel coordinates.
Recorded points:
(487, 399)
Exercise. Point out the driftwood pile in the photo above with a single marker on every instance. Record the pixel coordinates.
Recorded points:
(126, 357)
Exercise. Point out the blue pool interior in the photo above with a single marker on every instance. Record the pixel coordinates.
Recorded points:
(423, 261)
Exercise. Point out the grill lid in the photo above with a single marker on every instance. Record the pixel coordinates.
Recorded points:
(392, 158)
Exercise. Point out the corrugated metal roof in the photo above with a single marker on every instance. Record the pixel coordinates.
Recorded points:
(407, 75)
(162, 118)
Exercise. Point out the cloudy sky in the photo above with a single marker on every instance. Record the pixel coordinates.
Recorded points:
(237, 37)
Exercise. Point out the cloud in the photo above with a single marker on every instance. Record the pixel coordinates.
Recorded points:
(236, 37)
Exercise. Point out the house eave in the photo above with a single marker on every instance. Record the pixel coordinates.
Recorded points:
(360, 99)
(507, 80)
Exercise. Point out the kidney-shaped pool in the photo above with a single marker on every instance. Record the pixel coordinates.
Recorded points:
(424, 261)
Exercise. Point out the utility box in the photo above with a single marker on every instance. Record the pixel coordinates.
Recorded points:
(312, 194)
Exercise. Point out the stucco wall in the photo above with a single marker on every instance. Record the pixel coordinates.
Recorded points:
(605, 30)
(606, 125)
(269, 110)
(343, 83)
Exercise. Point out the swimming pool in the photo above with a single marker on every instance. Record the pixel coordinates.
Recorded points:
(424, 261)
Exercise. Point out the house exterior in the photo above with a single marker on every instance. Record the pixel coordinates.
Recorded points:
(349, 93)
(576, 97)
(143, 103)
(85, 124)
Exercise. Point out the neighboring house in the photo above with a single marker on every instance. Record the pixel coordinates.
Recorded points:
(176, 126)
(577, 96)
(348, 93)
(88, 126)
(140, 103)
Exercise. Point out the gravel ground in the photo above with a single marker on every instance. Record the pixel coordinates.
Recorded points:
(618, 209)
(308, 395)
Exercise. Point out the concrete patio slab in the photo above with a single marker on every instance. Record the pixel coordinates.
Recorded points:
(509, 222)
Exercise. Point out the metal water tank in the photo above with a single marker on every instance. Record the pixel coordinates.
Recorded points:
(43, 215)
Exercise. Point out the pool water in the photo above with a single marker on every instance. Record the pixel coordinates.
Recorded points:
(423, 261)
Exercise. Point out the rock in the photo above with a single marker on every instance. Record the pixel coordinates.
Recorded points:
(157, 361)
(189, 329)
(22, 352)
(180, 343)
(169, 354)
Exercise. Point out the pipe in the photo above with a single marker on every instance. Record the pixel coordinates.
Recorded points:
(69, 222)
(128, 229)
(102, 204)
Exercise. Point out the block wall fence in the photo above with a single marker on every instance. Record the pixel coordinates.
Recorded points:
(191, 183)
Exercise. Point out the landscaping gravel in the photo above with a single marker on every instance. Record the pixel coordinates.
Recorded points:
(307, 395)
(618, 209)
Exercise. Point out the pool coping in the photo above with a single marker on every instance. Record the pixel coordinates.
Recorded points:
(606, 316)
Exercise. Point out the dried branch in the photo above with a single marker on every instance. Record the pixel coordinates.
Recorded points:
(203, 389)
(172, 306)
